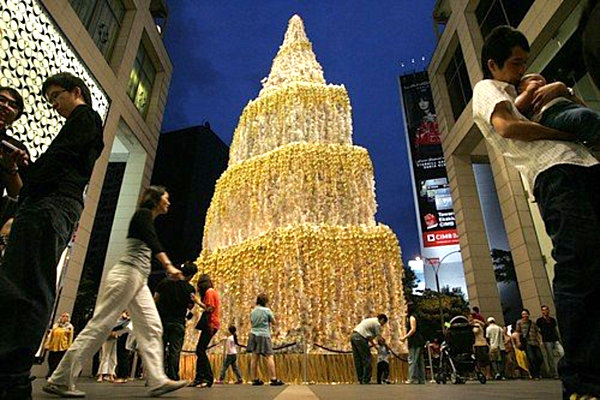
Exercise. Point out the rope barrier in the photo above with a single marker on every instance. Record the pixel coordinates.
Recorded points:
(284, 346)
(332, 350)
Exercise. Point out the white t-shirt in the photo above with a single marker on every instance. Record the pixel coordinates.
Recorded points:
(494, 333)
(530, 158)
(368, 328)
(230, 346)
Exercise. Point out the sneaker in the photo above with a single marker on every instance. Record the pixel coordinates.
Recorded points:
(239, 382)
(257, 382)
(62, 390)
(276, 382)
(219, 382)
(167, 387)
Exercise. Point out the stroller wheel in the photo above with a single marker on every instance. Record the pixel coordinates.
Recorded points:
(481, 378)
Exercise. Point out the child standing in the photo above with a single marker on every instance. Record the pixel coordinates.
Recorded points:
(230, 357)
(383, 363)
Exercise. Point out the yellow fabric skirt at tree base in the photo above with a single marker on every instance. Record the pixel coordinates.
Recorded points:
(321, 368)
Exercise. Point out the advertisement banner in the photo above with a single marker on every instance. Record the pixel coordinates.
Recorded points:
(436, 216)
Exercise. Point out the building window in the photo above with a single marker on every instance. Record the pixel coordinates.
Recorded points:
(103, 19)
(141, 78)
(457, 81)
(491, 13)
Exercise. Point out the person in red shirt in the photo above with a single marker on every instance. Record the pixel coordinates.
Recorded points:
(209, 323)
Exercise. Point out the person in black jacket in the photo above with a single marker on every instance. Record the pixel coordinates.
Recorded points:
(50, 203)
(173, 300)
(126, 288)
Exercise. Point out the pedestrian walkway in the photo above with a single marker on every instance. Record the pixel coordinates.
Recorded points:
(522, 390)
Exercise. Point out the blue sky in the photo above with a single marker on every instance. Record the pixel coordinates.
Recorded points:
(222, 49)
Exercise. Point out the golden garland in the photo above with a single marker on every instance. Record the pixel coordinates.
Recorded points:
(293, 216)
(296, 112)
(297, 183)
(321, 279)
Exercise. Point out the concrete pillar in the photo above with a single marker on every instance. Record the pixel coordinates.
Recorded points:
(524, 246)
(475, 249)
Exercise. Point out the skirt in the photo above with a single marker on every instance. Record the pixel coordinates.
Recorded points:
(259, 345)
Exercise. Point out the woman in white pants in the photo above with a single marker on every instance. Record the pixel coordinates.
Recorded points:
(125, 288)
(108, 359)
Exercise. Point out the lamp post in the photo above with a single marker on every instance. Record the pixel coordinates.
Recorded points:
(436, 269)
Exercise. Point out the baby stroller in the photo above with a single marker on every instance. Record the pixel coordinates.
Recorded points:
(457, 360)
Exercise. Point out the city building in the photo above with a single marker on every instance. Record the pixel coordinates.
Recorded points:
(117, 48)
(439, 263)
(188, 163)
(494, 208)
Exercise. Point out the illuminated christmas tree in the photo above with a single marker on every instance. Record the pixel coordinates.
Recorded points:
(294, 214)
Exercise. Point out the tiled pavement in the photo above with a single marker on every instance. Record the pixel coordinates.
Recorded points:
(546, 390)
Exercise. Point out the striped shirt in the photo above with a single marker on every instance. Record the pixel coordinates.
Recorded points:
(530, 158)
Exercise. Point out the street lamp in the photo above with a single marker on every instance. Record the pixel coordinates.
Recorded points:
(436, 269)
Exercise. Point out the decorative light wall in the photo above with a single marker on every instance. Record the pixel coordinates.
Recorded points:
(33, 48)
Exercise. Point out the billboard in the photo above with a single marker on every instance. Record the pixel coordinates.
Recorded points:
(434, 203)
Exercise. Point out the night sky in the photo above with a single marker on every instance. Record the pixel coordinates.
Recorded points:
(222, 49)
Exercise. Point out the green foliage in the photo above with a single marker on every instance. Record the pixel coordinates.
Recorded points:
(504, 266)
(426, 307)
(409, 281)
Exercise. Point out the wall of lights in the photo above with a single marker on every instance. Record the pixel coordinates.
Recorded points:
(33, 48)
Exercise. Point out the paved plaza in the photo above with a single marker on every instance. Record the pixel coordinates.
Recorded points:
(546, 390)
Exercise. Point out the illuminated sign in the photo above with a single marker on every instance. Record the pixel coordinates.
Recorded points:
(434, 202)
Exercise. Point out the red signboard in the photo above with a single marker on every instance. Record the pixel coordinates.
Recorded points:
(440, 238)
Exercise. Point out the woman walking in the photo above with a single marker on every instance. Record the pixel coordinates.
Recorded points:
(208, 324)
(259, 342)
(126, 288)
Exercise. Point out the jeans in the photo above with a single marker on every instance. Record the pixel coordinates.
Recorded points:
(383, 371)
(550, 348)
(416, 365)
(125, 288)
(569, 202)
(230, 359)
(362, 357)
(40, 233)
(498, 361)
(173, 334)
(204, 371)
(572, 117)
(535, 358)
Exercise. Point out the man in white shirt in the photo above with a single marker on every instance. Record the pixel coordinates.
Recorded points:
(495, 337)
(369, 330)
(564, 176)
